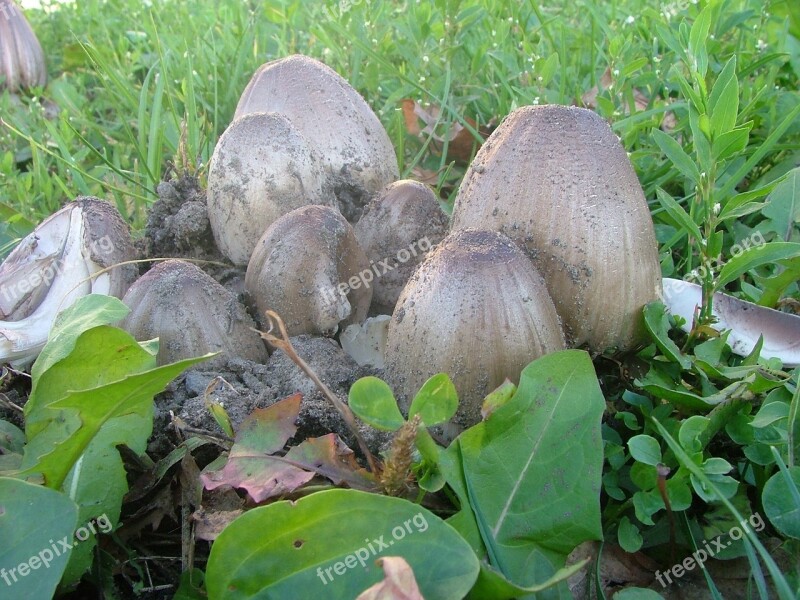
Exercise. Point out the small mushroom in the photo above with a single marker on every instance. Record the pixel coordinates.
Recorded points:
(309, 268)
(63, 259)
(557, 181)
(358, 156)
(261, 169)
(396, 229)
(22, 63)
(191, 314)
(475, 309)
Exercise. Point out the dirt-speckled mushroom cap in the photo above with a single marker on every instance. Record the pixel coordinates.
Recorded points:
(397, 229)
(22, 63)
(557, 180)
(191, 314)
(261, 169)
(356, 151)
(475, 309)
(309, 268)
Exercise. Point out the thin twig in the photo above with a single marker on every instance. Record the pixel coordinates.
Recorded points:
(284, 344)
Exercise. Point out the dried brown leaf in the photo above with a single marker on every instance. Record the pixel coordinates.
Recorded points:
(398, 582)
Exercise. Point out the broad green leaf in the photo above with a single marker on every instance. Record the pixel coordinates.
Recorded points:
(717, 466)
(677, 156)
(755, 257)
(372, 400)
(530, 508)
(779, 500)
(656, 323)
(37, 525)
(79, 416)
(491, 584)
(326, 544)
(769, 414)
(724, 100)
(86, 313)
(731, 143)
(628, 535)
(436, 401)
(690, 429)
(645, 449)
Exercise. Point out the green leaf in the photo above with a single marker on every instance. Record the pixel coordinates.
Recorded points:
(697, 40)
(724, 100)
(492, 585)
(731, 142)
(326, 545)
(636, 593)
(780, 504)
(530, 473)
(645, 449)
(770, 413)
(498, 397)
(372, 400)
(689, 432)
(34, 521)
(676, 154)
(783, 209)
(656, 323)
(436, 401)
(628, 536)
(754, 257)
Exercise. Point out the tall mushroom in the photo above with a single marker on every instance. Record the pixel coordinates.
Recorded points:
(357, 155)
(22, 63)
(309, 268)
(557, 180)
(475, 309)
(261, 169)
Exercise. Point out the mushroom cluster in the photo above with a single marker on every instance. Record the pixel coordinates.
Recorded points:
(551, 243)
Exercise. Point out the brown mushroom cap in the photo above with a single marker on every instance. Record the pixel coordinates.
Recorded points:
(557, 180)
(357, 154)
(261, 169)
(309, 268)
(475, 309)
(191, 314)
(396, 230)
(22, 63)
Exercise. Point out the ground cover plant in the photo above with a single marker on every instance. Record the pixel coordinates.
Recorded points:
(698, 443)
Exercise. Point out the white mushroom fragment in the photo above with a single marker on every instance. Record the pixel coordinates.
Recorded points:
(358, 156)
(475, 309)
(191, 314)
(309, 268)
(396, 230)
(22, 63)
(261, 169)
(55, 265)
(557, 181)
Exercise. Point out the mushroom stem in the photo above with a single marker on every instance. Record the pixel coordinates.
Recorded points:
(283, 343)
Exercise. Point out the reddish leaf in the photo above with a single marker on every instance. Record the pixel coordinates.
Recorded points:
(398, 582)
(250, 465)
(461, 141)
(330, 457)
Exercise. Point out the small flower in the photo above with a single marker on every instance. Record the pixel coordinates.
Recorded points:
(630, 20)
(425, 58)
(761, 45)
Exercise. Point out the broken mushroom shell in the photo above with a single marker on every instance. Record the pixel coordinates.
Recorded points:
(261, 169)
(63, 259)
(557, 181)
(191, 314)
(309, 268)
(22, 63)
(357, 155)
(396, 230)
(475, 309)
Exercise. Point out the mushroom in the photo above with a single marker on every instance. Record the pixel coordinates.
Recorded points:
(63, 259)
(22, 63)
(191, 314)
(476, 309)
(261, 169)
(396, 229)
(309, 268)
(557, 181)
(358, 157)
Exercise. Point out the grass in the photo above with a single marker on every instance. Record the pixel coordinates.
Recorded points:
(144, 91)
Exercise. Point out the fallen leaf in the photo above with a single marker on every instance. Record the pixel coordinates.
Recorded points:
(398, 582)
(461, 142)
(210, 523)
(330, 457)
